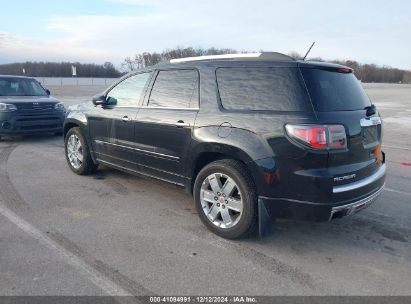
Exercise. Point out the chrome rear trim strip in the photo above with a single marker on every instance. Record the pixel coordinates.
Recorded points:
(361, 183)
(368, 122)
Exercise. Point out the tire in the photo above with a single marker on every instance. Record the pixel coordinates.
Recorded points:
(238, 201)
(78, 153)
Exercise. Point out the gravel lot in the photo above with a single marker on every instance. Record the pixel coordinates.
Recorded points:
(117, 234)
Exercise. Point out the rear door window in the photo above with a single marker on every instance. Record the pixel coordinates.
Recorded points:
(262, 89)
(175, 89)
(334, 91)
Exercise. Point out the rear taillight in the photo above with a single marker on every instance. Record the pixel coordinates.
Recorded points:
(321, 137)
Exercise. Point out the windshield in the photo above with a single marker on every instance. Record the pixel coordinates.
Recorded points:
(333, 91)
(21, 87)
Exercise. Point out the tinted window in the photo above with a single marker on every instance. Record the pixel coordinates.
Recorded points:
(175, 89)
(333, 91)
(129, 91)
(262, 89)
(21, 87)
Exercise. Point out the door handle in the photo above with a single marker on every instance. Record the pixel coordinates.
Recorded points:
(126, 118)
(182, 124)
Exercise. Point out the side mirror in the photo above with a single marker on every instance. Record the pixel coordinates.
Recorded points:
(99, 99)
(48, 92)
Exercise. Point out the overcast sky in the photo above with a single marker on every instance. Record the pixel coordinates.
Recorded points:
(370, 31)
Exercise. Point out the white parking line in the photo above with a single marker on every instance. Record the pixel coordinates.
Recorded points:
(95, 277)
(398, 148)
(397, 191)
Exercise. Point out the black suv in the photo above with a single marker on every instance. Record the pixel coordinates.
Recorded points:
(26, 107)
(237, 131)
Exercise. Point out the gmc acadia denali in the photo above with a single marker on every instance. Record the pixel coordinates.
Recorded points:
(302, 138)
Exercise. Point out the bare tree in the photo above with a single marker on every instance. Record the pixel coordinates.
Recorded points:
(148, 59)
(60, 69)
(295, 55)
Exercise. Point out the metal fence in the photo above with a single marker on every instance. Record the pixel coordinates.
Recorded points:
(75, 81)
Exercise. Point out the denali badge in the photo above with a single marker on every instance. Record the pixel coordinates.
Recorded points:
(345, 177)
(35, 103)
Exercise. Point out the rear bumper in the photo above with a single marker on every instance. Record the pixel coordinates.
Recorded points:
(349, 209)
(370, 188)
(363, 182)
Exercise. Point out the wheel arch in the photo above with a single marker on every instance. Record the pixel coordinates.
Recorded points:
(206, 153)
(69, 125)
(73, 122)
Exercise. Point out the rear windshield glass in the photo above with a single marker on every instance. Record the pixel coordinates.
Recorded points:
(333, 91)
(20, 87)
(262, 89)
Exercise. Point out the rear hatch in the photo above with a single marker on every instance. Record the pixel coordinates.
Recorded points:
(339, 99)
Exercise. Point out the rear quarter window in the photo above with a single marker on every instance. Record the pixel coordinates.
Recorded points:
(333, 91)
(262, 89)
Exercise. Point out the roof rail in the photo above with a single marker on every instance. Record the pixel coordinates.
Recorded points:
(246, 56)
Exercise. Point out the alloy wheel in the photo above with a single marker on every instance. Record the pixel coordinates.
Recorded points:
(75, 151)
(221, 200)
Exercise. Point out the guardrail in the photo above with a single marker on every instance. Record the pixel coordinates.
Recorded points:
(75, 81)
